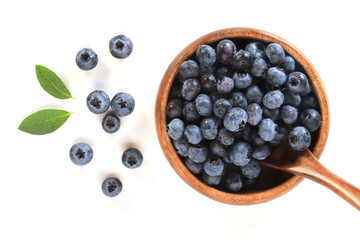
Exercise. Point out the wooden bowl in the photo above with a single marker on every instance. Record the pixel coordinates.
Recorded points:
(271, 183)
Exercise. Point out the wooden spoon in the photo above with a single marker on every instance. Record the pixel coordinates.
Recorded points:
(305, 164)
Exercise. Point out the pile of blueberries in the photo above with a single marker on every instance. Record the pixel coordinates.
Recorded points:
(98, 102)
(231, 103)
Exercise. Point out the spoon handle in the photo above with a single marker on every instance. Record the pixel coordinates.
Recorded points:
(311, 168)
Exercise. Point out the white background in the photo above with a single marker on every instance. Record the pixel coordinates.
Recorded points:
(45, 196)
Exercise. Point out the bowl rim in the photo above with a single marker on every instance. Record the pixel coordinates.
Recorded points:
(248, 198)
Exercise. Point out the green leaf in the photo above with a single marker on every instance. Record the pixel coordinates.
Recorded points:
(44, 121)
(51, 83)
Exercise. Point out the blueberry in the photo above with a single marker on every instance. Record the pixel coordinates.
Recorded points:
(275, 76)
(111, 123)
(188, 69)
(182, 147)
(190, 113)
(203, 105)
(209, 128)
(225, 51)
(98, 102)
(214, 166)
(86, 59)
(311, 119)
(208, 82)
(198, 153)
(273, 99)
(275, 53)
(273, 114)
(254, 113)
(235, 119)
(206, 55)
(132, 158)
(120, 46)
(252, 169)
(122, 104)
(190, 89)
(225, 137)
(289, 114)
(282, 133)
(81, 153)
(257, 49)
(238, 99)
(259, 67)
(224, 71)
(299, 138)
(255, 138)
(192, 134)
(174, 108)
(261, 152)
(267, 129)
(203, 70)
(291, 99)
(254, 94)
(288, 64)
(240, 153)
(194, 167)
(298, 83)
(221, 107)
(309, 101)
(242, 80)
(218, 149)
(233, 181)
(175, 91)
(224, 84)
(175, 128)
(111, 186)
(245, 134)
(241, 60)
(210, 180)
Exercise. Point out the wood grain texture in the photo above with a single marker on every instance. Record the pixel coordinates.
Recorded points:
(282, 183)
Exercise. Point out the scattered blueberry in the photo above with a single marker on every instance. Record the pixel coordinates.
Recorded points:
(289, 114)
(311, 119)
(241, 60)
(298, 83)
(275, 53)
(122, 104)
(252, 169)
(132, 158)
(299, 138)
(233, 181)
(192, 134)
(225, 51)
(238, 99)
(81, 153)
(267, 129)
(273, 99)
(111, 186)
(240, 153)
(209, 128)
(203, 105)
(275, 76)
(242, 80)
(98, 102)
(206, 55)
(111, 123)
(175, 128)
(190, 89)
(188, 69)
(214, 166)
(221, 107)
(86, 59)
(254, 113)
(224, 84)
(259, 67)
(235, 119)
(288, 64)
(198, 153)
(120, 46)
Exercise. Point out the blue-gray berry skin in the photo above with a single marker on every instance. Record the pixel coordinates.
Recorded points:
(206, 55)
(254, 94)
(282, 133)
(224, 71)
(218, 149)
(132, 158)
(225, 51)
(86, 59)
(275, 76)
(267, 129)
(257, 49)
(273, 99)
(288, 65)
(299, 138)
(225, 137)
(203, 105)
(238, 99)
(240, 153)
(182, 147)
(194, 167)
(221, 107)
(224, 84)
(188, 69)
(309, 101)
(208, 82)
(233, 181)
(298, 83)
(254, 113)
(291, 99)
(122, 104)
(259, 67)
(111, 123)
(98, 102)
(214, 166)
(261, 152)
(111, 186)
(120, 46)
(81, 153)
(190, 89)
(190, 113)
(209, 128)
(241, 60)
(203, 70)
(235, 119)
(175, 128)
(273, 114)
(174, 108)
(210, 180)
(275, 53)
(242, 80)
(252, 169)
(198, 153)
(255, 138)
(311, 119)
(192, 134)
(289, 114)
